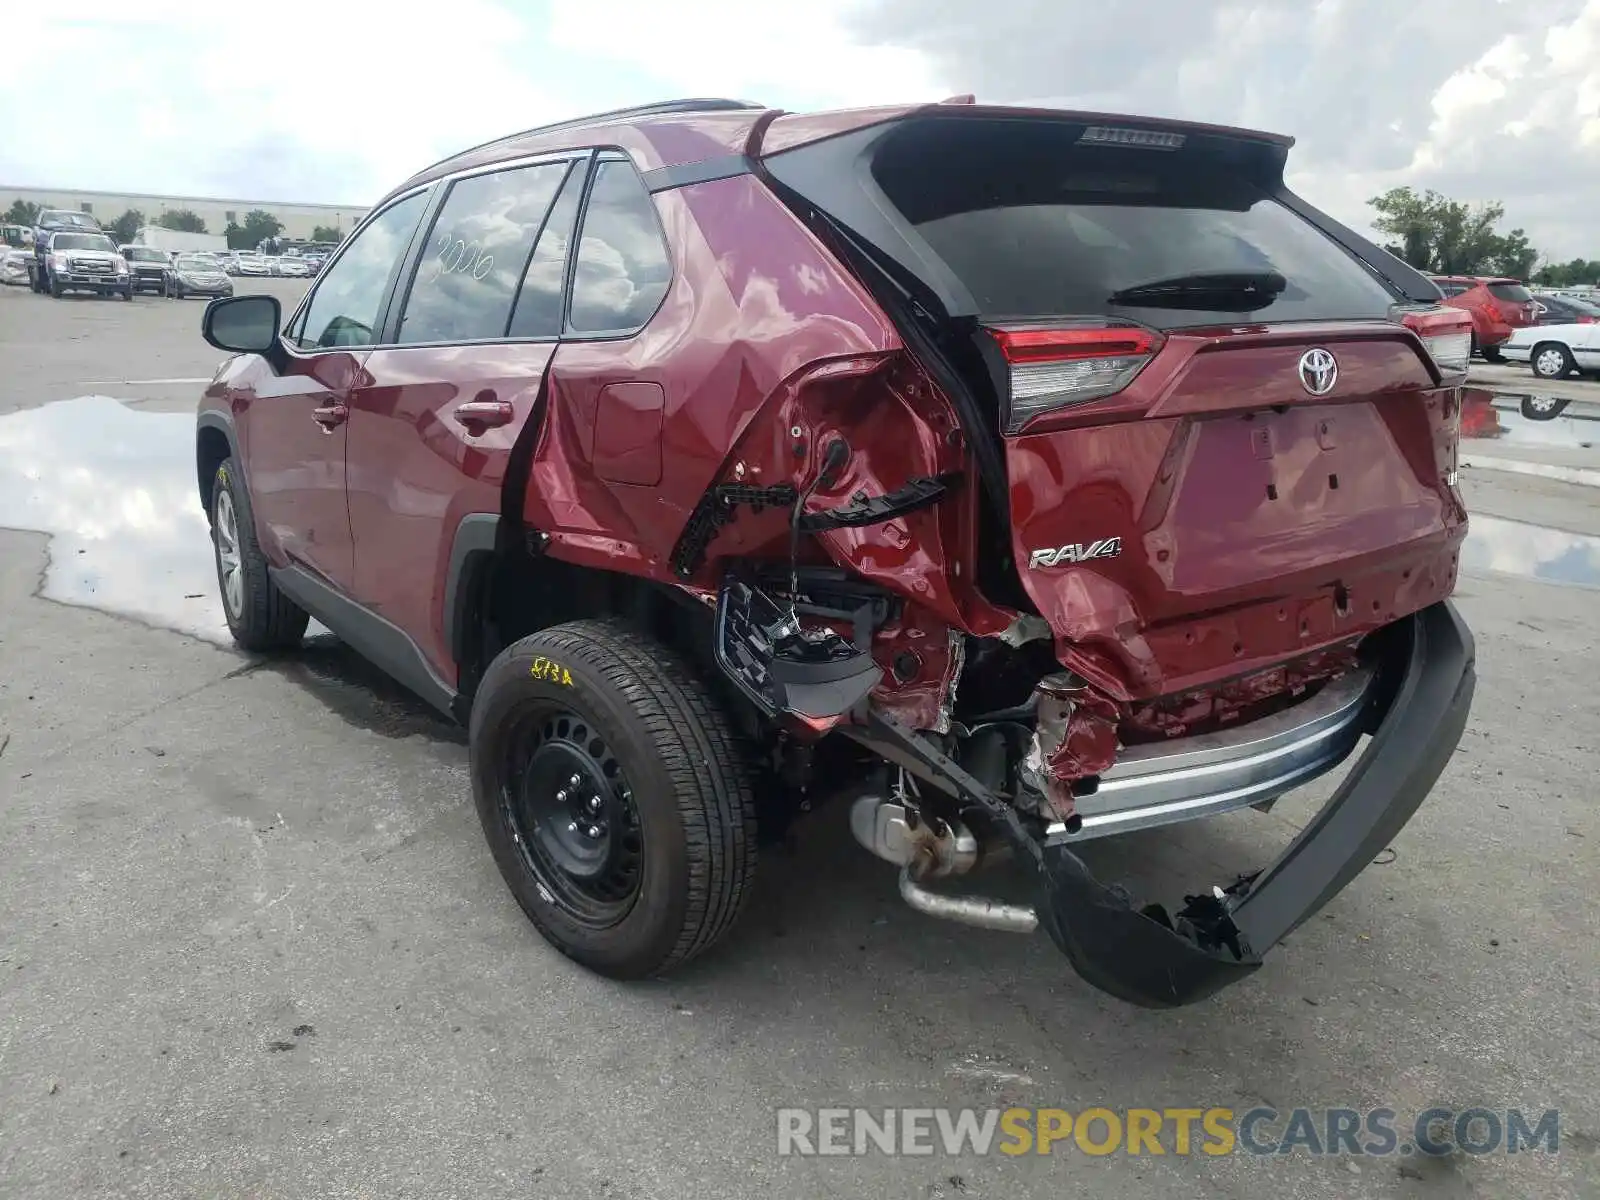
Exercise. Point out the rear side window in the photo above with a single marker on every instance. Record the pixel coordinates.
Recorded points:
(538, 309)
(1035, 225)
(1515, 293)
(622, 271)
(1452, 289)
(468, 277)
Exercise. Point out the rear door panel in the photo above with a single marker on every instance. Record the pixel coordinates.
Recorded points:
(415, 469)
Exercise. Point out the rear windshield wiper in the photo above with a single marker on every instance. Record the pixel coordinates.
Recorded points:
(1224, 291)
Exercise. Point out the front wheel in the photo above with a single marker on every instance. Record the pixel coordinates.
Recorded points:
(1492, 355)
(1552, 360)
(614, 796)
(260, 617)
(56, 289)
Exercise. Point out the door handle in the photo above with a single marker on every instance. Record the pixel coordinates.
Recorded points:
(485, 413)
(330, 415)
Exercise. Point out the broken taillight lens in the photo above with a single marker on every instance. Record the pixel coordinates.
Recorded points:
(1446, 334)
(1060, 368)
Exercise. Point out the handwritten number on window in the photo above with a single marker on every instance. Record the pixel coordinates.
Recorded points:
(452, 256)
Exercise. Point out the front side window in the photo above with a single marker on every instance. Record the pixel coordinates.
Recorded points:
(467, 279)
(622, 271)
(344, 308)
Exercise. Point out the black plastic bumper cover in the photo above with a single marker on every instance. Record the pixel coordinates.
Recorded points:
(1148, 961)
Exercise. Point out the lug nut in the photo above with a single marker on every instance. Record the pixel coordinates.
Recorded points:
(575, 781)
(594, 803)
(572, 827)
(561, 796)
(594, 831)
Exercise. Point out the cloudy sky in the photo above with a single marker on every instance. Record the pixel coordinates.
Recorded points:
(336, 100)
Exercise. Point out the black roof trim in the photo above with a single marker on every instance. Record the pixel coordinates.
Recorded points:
(659, 108)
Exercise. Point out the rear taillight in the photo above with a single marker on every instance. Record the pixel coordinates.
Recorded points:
(1060, 368)
(1446, 334)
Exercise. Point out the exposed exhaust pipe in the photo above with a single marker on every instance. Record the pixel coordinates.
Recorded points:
(968, 910)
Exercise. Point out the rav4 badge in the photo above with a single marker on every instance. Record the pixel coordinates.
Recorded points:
(1075, 552)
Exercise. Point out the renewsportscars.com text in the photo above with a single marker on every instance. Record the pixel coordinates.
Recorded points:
(1377, 1132)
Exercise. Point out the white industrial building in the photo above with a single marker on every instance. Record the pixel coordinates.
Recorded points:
(298, 219)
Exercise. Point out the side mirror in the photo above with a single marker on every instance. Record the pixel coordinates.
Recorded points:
(242, 324)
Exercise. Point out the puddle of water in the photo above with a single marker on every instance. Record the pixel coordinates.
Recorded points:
(114, 487)
(1503, 421)
(1495, 544)
(115, 490)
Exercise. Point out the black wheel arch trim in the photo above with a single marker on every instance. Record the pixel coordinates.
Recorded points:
(222, 422)
(380, 641)
(476, 539)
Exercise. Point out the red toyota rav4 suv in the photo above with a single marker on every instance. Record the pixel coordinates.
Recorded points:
(1014, 477)
(1497, 308)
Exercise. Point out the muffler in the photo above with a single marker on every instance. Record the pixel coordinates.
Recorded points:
(932, 849)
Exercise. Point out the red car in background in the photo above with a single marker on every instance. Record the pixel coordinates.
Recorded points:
(1498, 306)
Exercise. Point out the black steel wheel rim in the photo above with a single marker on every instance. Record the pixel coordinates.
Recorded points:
(571, 815)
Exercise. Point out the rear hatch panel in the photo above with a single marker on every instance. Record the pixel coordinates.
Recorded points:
(1201, 510)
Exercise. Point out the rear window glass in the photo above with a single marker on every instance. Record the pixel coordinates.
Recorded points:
(1036, 226)
(1514, 292)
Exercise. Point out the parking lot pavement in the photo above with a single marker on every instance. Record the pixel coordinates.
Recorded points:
(252, 944)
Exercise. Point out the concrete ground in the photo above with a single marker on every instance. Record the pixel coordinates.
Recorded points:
(252, 943)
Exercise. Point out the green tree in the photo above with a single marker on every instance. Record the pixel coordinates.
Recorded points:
(1577, 272)
(1435, 233)
(182, 219)
(259, 225)
(326, 233)
(126, 226)
(22, 212)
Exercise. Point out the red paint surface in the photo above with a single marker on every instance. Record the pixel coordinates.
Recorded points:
(296, 467)
(1216, 577)
(415, 470)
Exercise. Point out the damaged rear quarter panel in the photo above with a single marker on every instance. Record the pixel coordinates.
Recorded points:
(754, 299)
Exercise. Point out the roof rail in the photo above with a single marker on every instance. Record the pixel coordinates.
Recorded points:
(660, 107)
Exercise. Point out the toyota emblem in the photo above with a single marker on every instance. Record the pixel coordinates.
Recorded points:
(1319, 371)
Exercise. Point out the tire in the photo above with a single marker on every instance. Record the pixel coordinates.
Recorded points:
(56, 289)
(260, 617)
(1543, 408)
(127, 294)
(1492, 355)
(1552, 360)
(659, 764)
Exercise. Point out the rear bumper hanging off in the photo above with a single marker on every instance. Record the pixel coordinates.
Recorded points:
(1415, 710)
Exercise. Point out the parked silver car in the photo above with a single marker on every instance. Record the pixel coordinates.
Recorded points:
(198, 275)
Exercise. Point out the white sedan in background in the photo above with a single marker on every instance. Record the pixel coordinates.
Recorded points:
(13, 265)
(1555, 351)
